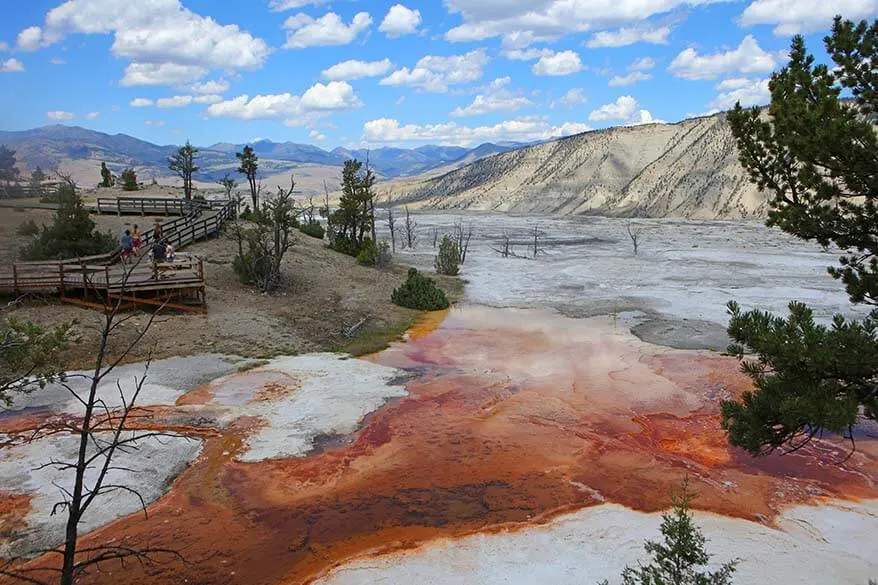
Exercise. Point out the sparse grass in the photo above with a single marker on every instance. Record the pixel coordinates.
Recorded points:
(374, 338)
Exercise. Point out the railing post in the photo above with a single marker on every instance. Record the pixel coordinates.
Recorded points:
(15, 280)
(61, 276)
(166, 207)
(84, 280)
(119, 206)
(142, 209)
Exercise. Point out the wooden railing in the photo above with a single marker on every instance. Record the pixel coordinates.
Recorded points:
(127, 205)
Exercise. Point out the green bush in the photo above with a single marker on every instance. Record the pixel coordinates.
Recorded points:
(345, 245)
(313, 229)
(28, 228)
(72, 233)
(420, 292)
(448, 258)
(129, 180)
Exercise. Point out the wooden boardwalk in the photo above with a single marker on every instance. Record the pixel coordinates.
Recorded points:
(94, 280)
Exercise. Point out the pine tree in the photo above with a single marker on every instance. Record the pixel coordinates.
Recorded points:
(354, 219)
(106, 176)
(680, 557)
(448, 259)
(816, 154)
(8, 171)
(183, 164)
(37, 177)
(129, 180)
(249, 164)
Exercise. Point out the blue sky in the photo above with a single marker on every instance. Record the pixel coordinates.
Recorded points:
(375, 72)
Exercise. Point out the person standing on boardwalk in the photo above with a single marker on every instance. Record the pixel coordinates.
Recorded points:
(127, 243)
(135, 234)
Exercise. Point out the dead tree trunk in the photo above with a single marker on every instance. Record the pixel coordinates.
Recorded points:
(634, 234)
(410, 230)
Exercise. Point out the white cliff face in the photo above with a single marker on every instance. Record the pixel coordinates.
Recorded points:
(688, 170)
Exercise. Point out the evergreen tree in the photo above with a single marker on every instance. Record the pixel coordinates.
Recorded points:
(106, 176)
(72, 234)
(36, 181)
(352, 223)
(680, 557)
(249, 164)
(183, 164)
(448, 258)
(8, 171)
(129, 180)
(815, 153)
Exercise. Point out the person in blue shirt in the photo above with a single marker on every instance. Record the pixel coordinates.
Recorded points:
(127, 243)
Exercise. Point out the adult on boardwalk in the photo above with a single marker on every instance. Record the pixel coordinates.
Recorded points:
(127, 243)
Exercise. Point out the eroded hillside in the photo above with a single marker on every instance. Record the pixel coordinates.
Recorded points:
(689, 169)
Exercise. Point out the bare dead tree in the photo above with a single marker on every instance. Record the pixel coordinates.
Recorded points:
(463, 235)
(435, 237)
(634, 234)
(391, 224)
(505, 250)
(537, 237)
(104, 430)
(410, 230)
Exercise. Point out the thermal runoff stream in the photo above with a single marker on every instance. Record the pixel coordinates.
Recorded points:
(494, 445)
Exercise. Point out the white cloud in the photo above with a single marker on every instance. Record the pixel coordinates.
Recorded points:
(57, 61)
(637, 72)
(435, 74)
(140, 103)
(4, 46)
(30, 39)
(210, 87)
(320, 100)
(400, 100)
(748, 58)
(210, 98)
(92, 115)
(524, 21)
(527, 54)
(353, 69)
(526, 129)
(11, 66)
(630, 79)
(315, 135)
(158, 37)
(400, 21)
(556, 64)
(628, 36)
(496, 99)
(281, 5)
(574, 97)
(750, 92)
(137, 74)
(158, 123)
(625, 109)
(305, 31)
(805, 16)
(178, 101)
(60, 115)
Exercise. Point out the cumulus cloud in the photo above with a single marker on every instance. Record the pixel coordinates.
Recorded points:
(281, 5)
(626, 110)
(400, 21)
(629, 36)
(210, 87)
(60, 115)
(497, 98)
(557, 64)
(158, 123)
(178, 101)
(306, 31)
(804, 16)
(57, 61)
(210, 98)
(520, 20)
(11, 66)
(529, 54)
(92, 115)
(747, 58)
(157, 37)
(354, 69)
(750, 92)
(435, 74)
(637, 72)
(574, 97)
(320, 100)
(525, 129)
(140, 103)
(30, 39)
(316, 135)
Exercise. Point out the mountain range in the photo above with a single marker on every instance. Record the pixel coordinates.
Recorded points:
(55, 147)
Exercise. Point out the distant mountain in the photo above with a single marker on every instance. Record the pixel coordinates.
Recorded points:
(65, 147)
(689, 169)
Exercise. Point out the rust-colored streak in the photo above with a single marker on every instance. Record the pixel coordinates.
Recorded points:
(515, 417)
(13, 509)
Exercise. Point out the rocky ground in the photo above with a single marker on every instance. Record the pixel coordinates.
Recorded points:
(324, 294)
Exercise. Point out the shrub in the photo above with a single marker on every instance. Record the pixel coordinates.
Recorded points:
(50, 197)
(448, 258)
(71, 234)
(420, 292)
(313, 228)
(129, 180)
(28, 228)
(374, 255)
(344, 244)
